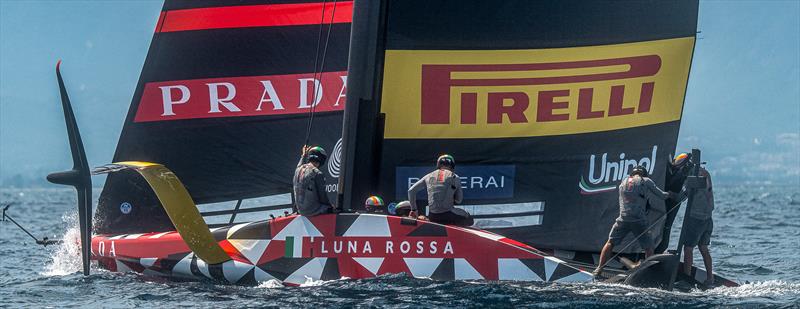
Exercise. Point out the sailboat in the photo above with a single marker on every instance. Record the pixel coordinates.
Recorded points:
(546, 105)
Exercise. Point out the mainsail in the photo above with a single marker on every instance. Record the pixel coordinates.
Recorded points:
(546, 106)
(224, 100)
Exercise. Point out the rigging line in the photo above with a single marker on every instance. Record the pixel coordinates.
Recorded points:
(321, 69)
(6, 216)
(640, 235)
(314, 76)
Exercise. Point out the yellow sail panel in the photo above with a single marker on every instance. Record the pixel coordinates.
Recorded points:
(534, 92)
(181, 211)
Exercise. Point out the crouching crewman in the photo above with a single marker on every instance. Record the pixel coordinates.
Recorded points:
(444, 191)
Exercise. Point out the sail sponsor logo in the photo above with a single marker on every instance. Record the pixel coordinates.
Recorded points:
(477, 181)
(335, 161)
(606, 171)
(242, 96)
(519, 93)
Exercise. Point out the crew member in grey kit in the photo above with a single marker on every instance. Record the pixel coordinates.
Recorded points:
(444, 191)
(633, 195)
(698, 227)
(308, 183)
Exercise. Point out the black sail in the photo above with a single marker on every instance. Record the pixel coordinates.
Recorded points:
(546, 105)
(223, 101)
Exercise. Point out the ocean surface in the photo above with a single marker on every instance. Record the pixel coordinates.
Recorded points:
(756, 242)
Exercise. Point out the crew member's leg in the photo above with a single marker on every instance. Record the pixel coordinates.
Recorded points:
(618, 232)
(604, 255)
(692, 232)
(705, 240)
(454, 217)
(639, 229)
(687, 260)
(707, 262)
(446, 218)
(464, 218)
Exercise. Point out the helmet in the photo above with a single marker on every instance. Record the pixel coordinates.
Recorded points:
(640, 170)
(446, 160)
(400, 209)
(317, 154)
(681, 159)
(373, 204)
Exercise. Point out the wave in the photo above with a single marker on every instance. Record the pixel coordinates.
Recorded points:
(66, 259)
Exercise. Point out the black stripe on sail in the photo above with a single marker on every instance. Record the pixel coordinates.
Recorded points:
(524, 24)
(244, 52)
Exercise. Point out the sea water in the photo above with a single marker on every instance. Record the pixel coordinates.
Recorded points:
(756, 242)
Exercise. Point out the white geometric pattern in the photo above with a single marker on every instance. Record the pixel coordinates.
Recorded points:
(514, 269)
(311, 270)
(252, 249)
(373, 264)
(234, 270)
(369, 226)
(580, 276)
(550, 265)
(465, 271)
(184, 266)
(422, 267)
(203, 267)
(147, 262)
(300, 226)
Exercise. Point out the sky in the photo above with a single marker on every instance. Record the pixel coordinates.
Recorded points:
(742, 105)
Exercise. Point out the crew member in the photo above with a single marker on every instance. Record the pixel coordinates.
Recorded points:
(633, 195)
(677, 171)
(698, 227)
(374, 204)
(444, 190)
(310, 198)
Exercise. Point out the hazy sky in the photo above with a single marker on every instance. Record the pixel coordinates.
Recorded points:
(742, 105)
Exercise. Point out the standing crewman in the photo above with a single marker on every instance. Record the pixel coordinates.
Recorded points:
(633, 194)
(444, 191)
(698, 227)
(308, 183)
(677, 171)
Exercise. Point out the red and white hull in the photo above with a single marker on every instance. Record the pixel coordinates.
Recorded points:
(296, 249)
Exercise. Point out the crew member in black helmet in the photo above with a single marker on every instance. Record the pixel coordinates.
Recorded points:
(310, 198)
(444, 191)
(677, 172)
(633, 195)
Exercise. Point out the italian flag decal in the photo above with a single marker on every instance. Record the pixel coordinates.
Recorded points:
(294, 247)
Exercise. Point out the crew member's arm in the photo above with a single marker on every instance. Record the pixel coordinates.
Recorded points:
(459, 195)
(302, 155)
(412, 194)
(653, 190)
